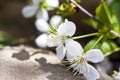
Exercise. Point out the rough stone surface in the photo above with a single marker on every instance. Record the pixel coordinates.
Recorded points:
(26, 63)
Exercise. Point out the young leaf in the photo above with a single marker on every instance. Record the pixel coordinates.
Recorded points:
(115, 6)
(103, 13)
(107, 47)
(90, 44)
(91, 23)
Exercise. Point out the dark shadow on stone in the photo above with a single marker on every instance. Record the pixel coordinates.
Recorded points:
(22, 55)
(39, 52)
(58, 72)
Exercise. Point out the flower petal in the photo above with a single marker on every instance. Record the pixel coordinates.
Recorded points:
(55, 20)
(42, 14)
(117, 76)
(83, 68)
(41, 25)
(29, 11)
(94, 55)
(41, 40)
(92, 74)
(73, 48)
(67, 28)
(52, 3)
(60, 52)
(69, 57)
(52, 41)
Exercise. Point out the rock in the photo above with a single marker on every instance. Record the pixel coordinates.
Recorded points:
(36, 64)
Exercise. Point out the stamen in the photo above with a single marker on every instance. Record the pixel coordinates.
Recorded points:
(75, 73)
(69, 68)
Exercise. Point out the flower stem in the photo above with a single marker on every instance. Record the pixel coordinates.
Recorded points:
(109, 53)
(86, 12)
(97, 41)
(84, 36)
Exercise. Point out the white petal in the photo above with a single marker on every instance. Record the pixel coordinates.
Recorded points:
(55, 20)
(42, 14)
(83, 68)
(94, 55)
(73, 65)
(60, 52)
(41, 25)
(29, 11)
(36, 1)
(41, 40)
(92, 74)
(73, 48)
(52, 41)
(52, 3)
(116, 77)
(69, 57)
(80, 68)
(67, 28)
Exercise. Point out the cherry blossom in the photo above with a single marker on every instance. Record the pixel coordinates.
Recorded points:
(116, 75)
(60, 36)
(79, 61)
(43, 26)
(39, 8)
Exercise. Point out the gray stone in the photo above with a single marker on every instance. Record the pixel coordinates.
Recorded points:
(26, 63)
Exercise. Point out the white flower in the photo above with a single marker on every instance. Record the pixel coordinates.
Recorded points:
(41, 40)
(60, 37)
(55, 20)
(36, 8)
(79, 61)
(42, 14)
(116, 75)
(52, 4)
(42, 26)
(29, 11)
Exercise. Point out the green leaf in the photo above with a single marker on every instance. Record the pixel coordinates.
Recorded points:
(90, 44)
(103, 13)
(107, 47)
(115, 6)
(91, 23)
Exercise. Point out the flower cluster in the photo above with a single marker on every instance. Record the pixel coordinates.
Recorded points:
(58, 32)
(39, 8)
(43, 26)
(66, 46)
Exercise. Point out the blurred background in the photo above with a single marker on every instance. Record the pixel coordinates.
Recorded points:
(17, 30)
(14, 24)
